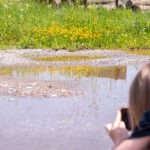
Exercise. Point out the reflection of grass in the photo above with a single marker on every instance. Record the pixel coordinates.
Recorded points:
(4, 71)
(114, 72)
(141, 52)
(67, 58)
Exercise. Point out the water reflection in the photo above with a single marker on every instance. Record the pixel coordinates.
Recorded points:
(65, 72)
(73, 123)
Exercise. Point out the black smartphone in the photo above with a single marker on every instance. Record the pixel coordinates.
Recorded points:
(125, 117)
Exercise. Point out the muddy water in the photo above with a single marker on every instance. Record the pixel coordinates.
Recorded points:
(66, 123)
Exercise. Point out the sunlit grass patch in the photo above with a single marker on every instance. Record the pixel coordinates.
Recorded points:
(140, 52)
(27, 24)
(67, 58)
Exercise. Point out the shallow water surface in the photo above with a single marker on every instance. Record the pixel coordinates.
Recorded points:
(67, 58)
(66, 123)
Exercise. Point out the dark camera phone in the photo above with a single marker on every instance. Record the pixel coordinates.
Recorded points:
(126, 117)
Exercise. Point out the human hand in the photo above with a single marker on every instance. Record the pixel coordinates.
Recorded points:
(117, 131)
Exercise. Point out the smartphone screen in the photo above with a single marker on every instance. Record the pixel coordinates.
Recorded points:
(126, 117)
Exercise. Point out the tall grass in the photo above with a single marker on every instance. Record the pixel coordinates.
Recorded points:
(27, 24)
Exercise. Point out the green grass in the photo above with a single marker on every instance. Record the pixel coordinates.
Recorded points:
(27, 24)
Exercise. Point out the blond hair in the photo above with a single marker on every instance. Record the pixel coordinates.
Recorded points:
(139, 95)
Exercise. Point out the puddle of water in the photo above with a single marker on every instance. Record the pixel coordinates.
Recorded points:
(73, 123)
(67, 58)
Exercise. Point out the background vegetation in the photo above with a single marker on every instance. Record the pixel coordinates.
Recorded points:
(29, 24)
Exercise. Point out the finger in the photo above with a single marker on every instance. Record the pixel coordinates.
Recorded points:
(117, 119)
(122, 124)
(108, 127)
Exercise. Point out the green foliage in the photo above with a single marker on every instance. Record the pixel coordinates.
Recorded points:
(28, 24)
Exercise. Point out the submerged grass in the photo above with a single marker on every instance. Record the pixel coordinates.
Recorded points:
(67, 58)
(27, 24)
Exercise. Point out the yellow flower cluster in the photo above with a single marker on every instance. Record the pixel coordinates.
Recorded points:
(65, 31)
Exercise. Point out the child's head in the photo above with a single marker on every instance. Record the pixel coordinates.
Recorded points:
(139, 97)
